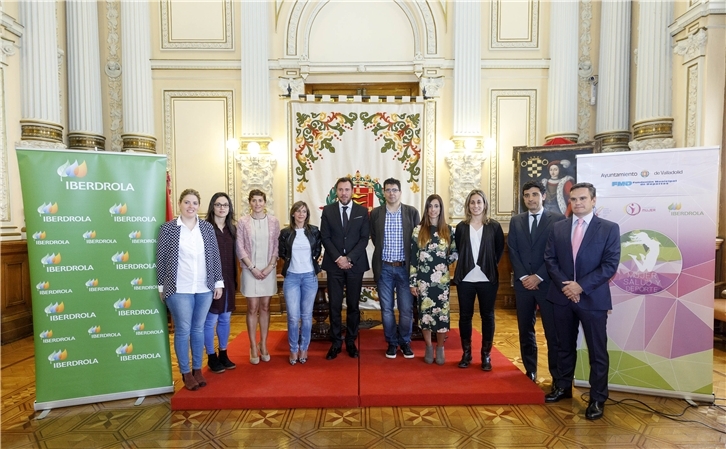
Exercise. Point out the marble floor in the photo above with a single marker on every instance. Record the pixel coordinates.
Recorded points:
(630, 420)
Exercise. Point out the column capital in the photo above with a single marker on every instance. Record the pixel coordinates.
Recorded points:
(464, 175)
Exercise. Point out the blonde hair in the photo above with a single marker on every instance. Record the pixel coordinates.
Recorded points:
(467, 212)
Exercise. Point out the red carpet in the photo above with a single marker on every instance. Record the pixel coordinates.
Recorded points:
(385, 382)
(275, 384)
(371, 380)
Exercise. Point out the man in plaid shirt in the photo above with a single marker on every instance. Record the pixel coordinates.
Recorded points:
(391, 228)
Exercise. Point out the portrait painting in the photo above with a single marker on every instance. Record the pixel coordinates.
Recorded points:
(555, 167)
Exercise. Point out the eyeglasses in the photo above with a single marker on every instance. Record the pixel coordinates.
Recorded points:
(391, 190)
(221, 205)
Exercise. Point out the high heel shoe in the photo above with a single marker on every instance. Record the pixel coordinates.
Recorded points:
(263, 357)
(293, 358)
(254, 360)
(303, 357)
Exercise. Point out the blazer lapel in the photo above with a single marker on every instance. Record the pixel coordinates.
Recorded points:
(568, 230)
(590, 231)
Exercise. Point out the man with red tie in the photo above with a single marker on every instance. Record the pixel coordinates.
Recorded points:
(344, 230)
(582, 254)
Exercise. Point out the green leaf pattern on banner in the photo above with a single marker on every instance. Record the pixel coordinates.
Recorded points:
(314, 134)
(401, 133)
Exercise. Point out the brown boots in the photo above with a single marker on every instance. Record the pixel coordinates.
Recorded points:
(194, 380)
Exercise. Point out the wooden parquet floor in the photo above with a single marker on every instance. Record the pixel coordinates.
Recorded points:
(152, 424)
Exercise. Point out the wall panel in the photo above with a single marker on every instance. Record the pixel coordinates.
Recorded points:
(513, 123)
(197, 126)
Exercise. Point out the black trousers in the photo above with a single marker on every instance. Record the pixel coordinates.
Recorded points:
(527, 302)
(487, 293)
(338, 280)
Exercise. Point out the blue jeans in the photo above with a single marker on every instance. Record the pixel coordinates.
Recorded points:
(395, 278)
(189, 311)
(299, 290)
(222, 330)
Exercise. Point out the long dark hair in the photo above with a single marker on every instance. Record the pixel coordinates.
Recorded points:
(229, 219)
(424, 234)
(296, 207)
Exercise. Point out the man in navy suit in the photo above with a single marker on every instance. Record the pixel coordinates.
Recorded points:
(528, 233)
(580, 292)
(344, 230)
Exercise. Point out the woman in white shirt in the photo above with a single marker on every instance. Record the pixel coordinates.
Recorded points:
(189, 275)
(300, 246)
(480, 242)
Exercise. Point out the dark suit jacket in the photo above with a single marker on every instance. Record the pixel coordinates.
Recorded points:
(527, 254)
(597, 262)
(409, 219)
(354, 239)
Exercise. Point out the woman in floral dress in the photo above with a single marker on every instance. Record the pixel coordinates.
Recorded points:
(432, 251)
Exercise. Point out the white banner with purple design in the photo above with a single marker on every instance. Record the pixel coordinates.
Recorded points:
(660, 331)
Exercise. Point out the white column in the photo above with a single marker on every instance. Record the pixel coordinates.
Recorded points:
(466, 158)
(612, 126)
(138, 106)
(467, 69)
(563, 81)
(257, 167)
(85, 111)
(255, 93)
(653, 126)
(40, 89)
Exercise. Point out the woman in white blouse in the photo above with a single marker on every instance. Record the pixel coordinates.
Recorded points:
(189, 275)
(480, 242)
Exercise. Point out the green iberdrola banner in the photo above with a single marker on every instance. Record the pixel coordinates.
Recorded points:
(100, 328)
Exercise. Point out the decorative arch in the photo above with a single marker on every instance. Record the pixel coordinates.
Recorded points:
(420, 17)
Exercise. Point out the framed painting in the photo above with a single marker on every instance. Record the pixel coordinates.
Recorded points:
(555, 167)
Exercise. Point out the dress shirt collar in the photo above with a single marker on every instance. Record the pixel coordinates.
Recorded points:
(587, 218)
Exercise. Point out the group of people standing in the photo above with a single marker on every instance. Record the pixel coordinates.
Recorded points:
(561, 267)
(412, 258)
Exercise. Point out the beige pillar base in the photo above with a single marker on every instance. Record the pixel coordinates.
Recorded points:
(41, 131)
(569, 136)
(614, 141)
(653, 134)
(86, 141)
(139, 143)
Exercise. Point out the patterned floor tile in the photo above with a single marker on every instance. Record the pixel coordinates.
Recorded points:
(123, 425)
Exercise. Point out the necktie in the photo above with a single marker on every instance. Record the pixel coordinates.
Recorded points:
(534, 225)
(577, 237)
(345, 217)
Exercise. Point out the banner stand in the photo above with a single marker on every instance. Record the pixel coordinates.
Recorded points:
(660, 328)
(100, 328)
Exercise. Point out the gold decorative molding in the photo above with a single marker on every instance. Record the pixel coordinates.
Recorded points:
(614, 141)
(139, 143)
(85, 141)
(649, 129)
(42, 131)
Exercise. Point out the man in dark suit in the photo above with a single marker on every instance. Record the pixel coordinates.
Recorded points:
(391, 229)
(583, 253)
(528, 233)
(344, 230)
